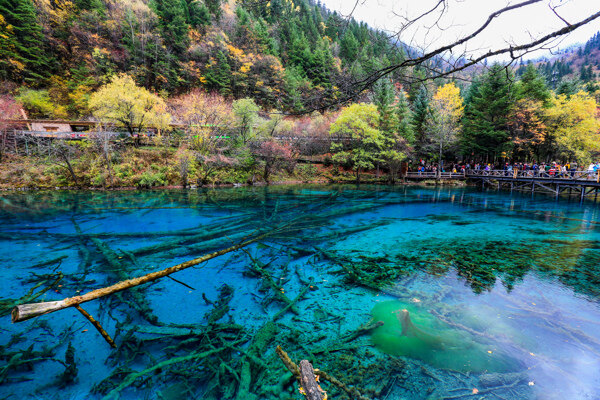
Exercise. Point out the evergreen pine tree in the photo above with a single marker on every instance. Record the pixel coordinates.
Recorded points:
(569, 87)
(489, 102)
(533, 86)
(214, 6)
(172, 22)
(383, 98)
(349, 47)
(23, 37)
(218, 74)
(404, 117)
(421, 113)
(197, 14)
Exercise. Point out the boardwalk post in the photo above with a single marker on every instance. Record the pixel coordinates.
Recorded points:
(582, 192)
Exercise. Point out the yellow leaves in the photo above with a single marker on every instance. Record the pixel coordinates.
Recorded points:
(235, 52)
(448, 98)
(17, 64)
(194, 35)
(574, 123)
(122, 101)
(245, 68)
(358, 120)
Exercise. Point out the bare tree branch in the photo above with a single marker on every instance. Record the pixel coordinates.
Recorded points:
(355, 89)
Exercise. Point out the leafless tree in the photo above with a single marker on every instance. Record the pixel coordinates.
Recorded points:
(103, 143)
(451, 58)
(61, 153)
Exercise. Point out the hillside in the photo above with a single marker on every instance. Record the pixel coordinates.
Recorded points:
(579, 64)
(288, 55)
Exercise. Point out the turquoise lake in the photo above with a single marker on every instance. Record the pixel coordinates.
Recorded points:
(402, 293)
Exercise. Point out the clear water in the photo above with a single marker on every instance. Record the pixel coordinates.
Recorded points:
(501, 291)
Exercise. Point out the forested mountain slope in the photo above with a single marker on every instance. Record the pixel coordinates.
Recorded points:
(289, 55)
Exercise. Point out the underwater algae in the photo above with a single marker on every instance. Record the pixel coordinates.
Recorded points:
(528, 297)
(410, 331)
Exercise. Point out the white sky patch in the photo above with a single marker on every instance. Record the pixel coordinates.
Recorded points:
(462, 17)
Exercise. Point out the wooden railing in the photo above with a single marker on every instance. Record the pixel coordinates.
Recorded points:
(564, 175)
(514, 174)
(434, 175)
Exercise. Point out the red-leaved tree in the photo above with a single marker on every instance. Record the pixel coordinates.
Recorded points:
(274, 156)
(8, 109)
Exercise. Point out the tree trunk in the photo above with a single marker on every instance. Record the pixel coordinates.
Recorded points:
(24, 312)
(308, 381)
(72, 172)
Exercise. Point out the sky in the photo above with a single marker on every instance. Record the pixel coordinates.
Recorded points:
(462, 17)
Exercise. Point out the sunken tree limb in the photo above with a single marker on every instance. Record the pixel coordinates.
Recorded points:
(305, 375)
(309, 382)
(24, 312)
(98, 327)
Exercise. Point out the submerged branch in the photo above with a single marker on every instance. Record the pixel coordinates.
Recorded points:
(24, 312)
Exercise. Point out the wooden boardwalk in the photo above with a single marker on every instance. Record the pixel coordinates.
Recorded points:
(412, 175)
(573, 183)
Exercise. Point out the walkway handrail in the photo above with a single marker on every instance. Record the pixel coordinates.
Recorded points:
(588, 175)
(431, 174)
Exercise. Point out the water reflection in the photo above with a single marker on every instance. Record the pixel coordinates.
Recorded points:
(502, 292)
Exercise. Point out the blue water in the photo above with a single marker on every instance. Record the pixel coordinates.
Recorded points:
(502, 290)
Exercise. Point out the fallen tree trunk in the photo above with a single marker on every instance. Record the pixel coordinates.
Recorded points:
(24, 312)
(309, 382)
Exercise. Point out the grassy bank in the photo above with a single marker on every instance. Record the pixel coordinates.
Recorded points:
(152, 167)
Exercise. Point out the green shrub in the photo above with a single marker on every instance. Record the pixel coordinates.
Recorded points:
(149, 179)
(39, 105)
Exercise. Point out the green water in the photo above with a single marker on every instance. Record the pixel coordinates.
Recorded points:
(481, 294)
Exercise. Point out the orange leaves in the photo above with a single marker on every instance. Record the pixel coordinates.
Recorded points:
(527, 126)
(235, 52)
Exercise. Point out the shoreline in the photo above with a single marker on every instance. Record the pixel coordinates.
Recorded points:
(231, 185)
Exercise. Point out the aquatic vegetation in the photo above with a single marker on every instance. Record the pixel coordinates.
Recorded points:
(481, 262)
(411, 331)
(331, 290)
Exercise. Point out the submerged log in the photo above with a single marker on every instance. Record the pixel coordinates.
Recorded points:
(24, 312)
(362, 330)
(303, 370)
(131, 378)
(309, 383)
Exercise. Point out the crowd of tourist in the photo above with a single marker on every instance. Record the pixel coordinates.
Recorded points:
(553, 169)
